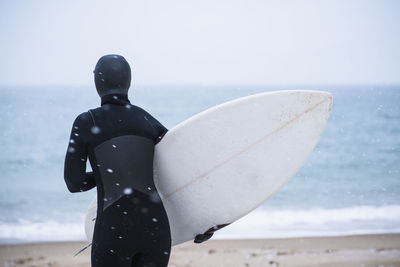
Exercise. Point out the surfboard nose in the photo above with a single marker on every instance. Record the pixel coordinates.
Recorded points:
(313, 98)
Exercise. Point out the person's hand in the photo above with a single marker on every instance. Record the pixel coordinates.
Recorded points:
(200, 238)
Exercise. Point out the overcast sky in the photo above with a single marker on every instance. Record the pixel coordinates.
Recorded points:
(202, 42)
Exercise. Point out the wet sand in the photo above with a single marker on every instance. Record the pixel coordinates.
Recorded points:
(346, 251)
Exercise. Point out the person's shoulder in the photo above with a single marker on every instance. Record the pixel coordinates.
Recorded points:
(83, 118)
(137, 109)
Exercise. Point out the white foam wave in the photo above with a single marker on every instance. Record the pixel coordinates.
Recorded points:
(261, 223)
(273, 223)
(26, 231)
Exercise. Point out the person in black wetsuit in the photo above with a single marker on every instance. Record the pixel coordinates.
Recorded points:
(132, 227)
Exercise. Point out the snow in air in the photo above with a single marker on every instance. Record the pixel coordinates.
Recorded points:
(128, 191)
(95, 130)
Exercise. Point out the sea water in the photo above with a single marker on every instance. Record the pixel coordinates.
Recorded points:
(349, 185)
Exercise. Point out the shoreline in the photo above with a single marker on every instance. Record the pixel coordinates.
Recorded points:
(355, 250)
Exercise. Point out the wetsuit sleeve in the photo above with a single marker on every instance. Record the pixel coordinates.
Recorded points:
(75, 175)
(160, 130)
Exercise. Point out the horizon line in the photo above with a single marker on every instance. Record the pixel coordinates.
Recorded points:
(209, 85)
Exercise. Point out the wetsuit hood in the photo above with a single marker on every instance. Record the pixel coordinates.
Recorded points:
(112, 75)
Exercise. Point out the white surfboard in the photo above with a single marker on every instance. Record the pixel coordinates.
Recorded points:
(222, 163)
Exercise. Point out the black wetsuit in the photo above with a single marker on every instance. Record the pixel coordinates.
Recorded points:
(131, 227)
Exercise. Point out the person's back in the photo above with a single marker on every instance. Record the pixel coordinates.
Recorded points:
(132, 226)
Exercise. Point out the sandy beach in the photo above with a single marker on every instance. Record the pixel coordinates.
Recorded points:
(360, 250)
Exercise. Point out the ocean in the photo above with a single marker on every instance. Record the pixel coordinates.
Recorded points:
(349, 185)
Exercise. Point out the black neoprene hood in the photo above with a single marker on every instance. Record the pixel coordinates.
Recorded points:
(112, 74)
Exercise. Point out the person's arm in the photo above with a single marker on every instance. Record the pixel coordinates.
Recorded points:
(160, 129)
(75, 175)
